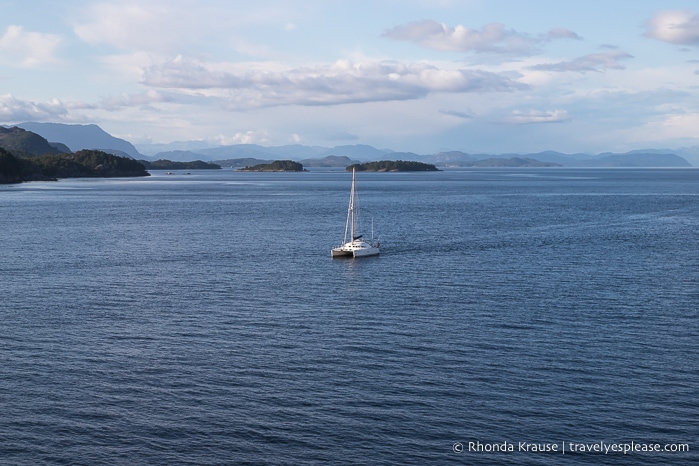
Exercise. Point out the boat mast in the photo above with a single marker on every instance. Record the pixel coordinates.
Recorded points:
(352, 206)
(349, 223)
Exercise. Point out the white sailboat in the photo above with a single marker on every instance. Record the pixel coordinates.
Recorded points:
(356, 246)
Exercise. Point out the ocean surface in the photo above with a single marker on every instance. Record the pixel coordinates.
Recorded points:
(198, 319)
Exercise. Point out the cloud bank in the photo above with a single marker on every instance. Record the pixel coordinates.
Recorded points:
(597, 62)
(674, 27)
(342, 82)
(495, 37)
(13, 109)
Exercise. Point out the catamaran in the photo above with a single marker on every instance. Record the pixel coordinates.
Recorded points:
(356, 246)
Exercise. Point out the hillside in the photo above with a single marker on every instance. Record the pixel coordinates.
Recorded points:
(276, 166)
(86, 163)
(11, 168)
(79, 137)
(19, 141)
(393, 166)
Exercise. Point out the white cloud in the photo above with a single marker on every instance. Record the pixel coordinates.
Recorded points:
(29, 48)
(518, 117)
(675, 27)
(14, 110)
(593, 62)
(493, 37)
(247, 137)
(339, 83)
(562, 33)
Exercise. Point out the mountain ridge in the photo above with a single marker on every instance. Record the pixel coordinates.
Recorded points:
(80, 137)
(70, 136)
(20, 140)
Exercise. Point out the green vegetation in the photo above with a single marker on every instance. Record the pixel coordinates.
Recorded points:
(11, 168)
(170, 165)
(84, 163)
(393, 166)
(276, 166)
(89, 163)
(26, 156)
(25, 143)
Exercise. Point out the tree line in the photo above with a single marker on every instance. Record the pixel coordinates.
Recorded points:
(392, 166)
(85, 163)
(276, 166)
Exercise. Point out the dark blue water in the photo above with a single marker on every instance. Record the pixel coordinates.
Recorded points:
(198, 319)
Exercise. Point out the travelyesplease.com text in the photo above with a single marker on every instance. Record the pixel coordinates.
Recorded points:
(570, 447)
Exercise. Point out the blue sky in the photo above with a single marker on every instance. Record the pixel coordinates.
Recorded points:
(489, 76)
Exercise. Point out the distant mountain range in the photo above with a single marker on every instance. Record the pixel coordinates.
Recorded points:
(342, 156)
(79, 137)
(70, 138)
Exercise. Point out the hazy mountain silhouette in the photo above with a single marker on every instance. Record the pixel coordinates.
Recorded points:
(78, 137)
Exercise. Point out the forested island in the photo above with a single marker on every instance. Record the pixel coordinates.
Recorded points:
(276, 166)
(26, 156)
(49, 167)
(393, 166)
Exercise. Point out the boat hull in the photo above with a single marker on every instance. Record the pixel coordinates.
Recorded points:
(339, 252)
(355, 249)
(366, 252)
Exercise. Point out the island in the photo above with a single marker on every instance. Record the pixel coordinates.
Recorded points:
(393, 166)
(49, 167)
(276, 166)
